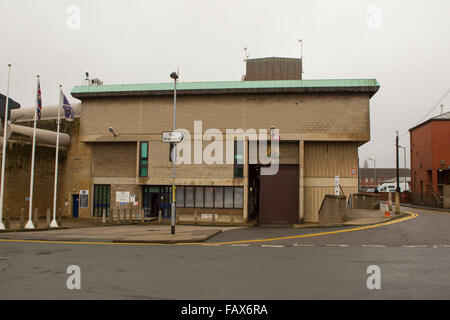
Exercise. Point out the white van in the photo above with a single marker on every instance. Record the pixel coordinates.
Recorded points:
(389, 187)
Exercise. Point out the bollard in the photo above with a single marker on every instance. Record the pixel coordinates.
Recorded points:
(142, 214)
(232, 218)
(7, 219)
(36, 218)
(59, 218)
(48, 218)
(397, 203)
(131, 215)
(195, 216)
(22, 218)
(103, 216)
(160, 216)
(390, 200)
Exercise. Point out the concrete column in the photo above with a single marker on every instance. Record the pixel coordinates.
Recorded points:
(246, 196)
(160, 216)
(301, 168)
(22, 218)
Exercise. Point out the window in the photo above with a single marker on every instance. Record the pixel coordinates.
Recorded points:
(189, 197)
(238, 197)
(102, 194)
(218, 197)
(179, 197)
(143, 159)
(238, 159)
(209, 197)
(199, 197)
(228, 197)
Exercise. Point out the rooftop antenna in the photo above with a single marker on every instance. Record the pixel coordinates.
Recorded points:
(301, 52)
(245, 67)
(86, 81)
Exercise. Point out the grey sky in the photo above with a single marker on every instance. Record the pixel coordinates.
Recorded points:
(138, 41)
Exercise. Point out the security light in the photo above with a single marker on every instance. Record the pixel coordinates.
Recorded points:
(174, 75)
(112, 131)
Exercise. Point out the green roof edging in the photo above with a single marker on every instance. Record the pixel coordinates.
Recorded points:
(217, 87)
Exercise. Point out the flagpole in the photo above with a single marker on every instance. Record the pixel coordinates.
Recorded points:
(30, 224)
(54, 224)
(5, 141)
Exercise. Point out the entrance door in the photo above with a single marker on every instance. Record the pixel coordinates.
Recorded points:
(154, 204)
(75, 205)
(279, 196)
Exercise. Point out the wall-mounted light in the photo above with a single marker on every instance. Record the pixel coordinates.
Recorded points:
(112, 131)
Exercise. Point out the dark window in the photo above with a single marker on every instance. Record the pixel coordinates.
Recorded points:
(180, 197)
(228, 197)
(218, 197)
(238, 159)
(102, 194)
(199, 197)
(189, 197)
(143, 159)
(209, 197)
(238, 197)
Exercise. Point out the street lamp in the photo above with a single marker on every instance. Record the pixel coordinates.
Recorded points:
(374, 171)
(174, 76)
(404, 158)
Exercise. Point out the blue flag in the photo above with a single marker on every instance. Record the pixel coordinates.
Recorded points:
(69, 112)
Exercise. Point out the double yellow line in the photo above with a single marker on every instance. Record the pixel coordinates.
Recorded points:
(412, 215)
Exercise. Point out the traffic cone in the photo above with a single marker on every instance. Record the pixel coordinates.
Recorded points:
(387, 214)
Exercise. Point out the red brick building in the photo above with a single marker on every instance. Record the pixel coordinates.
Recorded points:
(430, 161)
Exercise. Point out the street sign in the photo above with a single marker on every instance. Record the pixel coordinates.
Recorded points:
(172, 137)
(336, 186)
(353, 171)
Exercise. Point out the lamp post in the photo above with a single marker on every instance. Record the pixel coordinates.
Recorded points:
(174, 76)
(404, 158)
(374, 171)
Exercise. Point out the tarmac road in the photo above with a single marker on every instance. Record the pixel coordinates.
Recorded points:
(272, 270)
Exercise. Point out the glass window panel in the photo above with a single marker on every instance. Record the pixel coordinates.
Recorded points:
(143, 172)
(144, 150)
(238, 197)
(238, 152)
(209, 197)
(218, 197)
(228, 201)
(199, 197)
(180, 197)
(189, 198)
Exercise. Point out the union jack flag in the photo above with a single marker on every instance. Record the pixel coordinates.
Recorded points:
(39, 101)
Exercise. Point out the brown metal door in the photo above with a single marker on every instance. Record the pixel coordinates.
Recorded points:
(279, 196)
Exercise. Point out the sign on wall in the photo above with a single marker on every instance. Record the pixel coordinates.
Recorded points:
(336, 186)
(123, 197)
(84, 198)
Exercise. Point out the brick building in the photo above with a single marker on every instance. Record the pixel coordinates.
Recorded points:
(117, 156)
(430, 161)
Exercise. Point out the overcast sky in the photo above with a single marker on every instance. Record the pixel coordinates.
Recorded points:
(405, 45)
